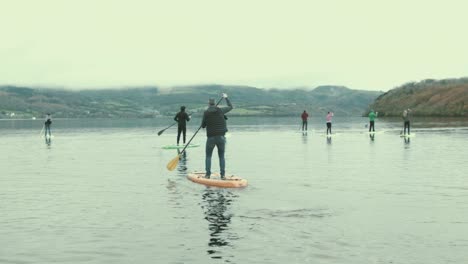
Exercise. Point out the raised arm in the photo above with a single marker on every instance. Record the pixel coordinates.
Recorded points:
(229, 107)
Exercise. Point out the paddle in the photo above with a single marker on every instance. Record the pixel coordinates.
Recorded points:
(162, 131)
(173, 163)
(40, 133)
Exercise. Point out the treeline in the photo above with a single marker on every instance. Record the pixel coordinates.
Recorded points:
(25, 102)
(448, 97)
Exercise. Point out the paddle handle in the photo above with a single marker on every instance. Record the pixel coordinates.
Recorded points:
(188, 143)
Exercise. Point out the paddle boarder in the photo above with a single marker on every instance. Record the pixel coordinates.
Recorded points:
(329, 121)
(372, 116)
(47, 123)
(215, 124)
(181, 118)
(304, 117)
(406, 118)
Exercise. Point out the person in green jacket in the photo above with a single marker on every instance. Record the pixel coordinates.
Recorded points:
(372, 117)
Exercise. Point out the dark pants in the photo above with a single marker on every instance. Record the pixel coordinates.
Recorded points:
(329, 127)
(47, 129)
(304, 124)
(220, 143)
(181, 129)
(407, 125)
(371, 126)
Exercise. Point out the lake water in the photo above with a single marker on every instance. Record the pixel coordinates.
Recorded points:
(100, 192)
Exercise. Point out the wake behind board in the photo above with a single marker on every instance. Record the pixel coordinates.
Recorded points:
(181, 146)
(215, 180)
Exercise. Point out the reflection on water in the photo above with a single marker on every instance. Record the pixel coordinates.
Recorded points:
(407, 142)
(182, 168)
(372, 137)
(48, 141)
(216, 204)
(107, 197)
(329, 140)
(304, 137)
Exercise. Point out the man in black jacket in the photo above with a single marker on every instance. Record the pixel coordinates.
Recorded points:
(181, 118)
(215, 124)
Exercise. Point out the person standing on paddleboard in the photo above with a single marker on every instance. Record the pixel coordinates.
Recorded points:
(304, 117)
(47, 123)
(181, 118)
(329, 121)
(372, 117)
(406, 118)
(215, 124)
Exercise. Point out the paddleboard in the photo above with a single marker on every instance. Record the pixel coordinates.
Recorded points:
(181, 146)
(215, 180)
(49, 137)
(408, 136)
(375, 132)
(329, 135)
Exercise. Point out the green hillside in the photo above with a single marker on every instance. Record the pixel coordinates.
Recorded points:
(27, 102)
(426, 98)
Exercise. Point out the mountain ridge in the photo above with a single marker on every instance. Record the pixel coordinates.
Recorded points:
(446, 97)
(150, 101)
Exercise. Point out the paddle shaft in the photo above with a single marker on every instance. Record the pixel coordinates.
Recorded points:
(186, 145)
(160, 132)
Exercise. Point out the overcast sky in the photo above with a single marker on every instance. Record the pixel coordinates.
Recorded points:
(362, 44)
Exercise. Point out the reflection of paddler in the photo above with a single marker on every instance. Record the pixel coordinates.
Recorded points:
(215, 205)
(183, 162)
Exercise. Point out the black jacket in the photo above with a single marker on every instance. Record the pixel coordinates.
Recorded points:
(214, 121)
(182, 118)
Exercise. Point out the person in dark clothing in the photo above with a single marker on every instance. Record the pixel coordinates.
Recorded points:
(181, 118)
(329, 122)
(215, 124)
(406, 118)
(47, 123)
(304, 117)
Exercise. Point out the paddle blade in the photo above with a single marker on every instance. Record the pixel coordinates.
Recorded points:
(173, 163)
(160, 132)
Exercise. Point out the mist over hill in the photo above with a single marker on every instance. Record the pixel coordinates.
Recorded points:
(26, 102)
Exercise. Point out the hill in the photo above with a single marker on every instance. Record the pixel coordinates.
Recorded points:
(27, 102)
(430, 97)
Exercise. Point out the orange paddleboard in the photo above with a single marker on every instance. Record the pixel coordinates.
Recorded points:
(215, 180)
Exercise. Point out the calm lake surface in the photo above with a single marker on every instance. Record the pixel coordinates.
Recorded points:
(100, 192)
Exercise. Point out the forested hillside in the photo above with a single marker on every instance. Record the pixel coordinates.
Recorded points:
(25, 102)
(426, 98)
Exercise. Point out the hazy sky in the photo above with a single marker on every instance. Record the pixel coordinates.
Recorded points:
(362, 44)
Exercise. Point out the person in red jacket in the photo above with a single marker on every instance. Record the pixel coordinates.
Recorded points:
(304, 117)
